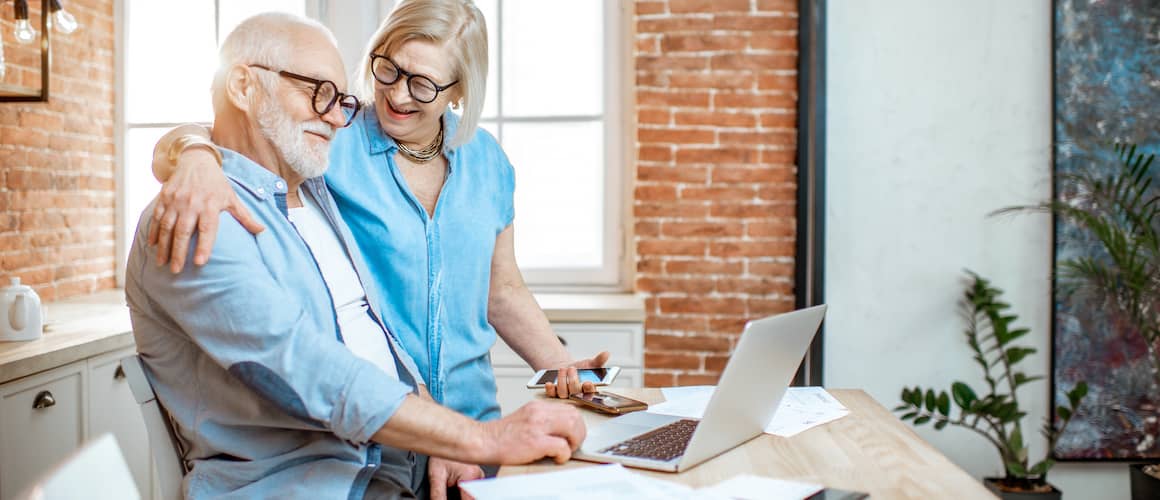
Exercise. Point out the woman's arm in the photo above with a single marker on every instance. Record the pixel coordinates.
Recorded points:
(518, 319)
(194, 191)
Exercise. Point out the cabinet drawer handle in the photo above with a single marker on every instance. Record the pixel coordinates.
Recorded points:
(120, 373)
(43, 400)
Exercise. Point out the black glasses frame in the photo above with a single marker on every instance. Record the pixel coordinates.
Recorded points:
(400, 72)
(338, 98)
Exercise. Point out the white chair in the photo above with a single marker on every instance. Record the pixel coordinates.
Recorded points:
(166, 447)
(97, 471)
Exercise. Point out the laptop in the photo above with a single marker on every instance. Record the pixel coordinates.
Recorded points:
(747, 395)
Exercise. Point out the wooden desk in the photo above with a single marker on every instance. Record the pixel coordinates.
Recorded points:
(869, 450)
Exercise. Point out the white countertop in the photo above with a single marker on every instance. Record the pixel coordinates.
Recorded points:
(75, 329)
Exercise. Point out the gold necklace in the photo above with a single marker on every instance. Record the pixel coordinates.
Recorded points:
(426, 154)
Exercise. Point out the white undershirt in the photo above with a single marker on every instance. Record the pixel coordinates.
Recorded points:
(361, 333)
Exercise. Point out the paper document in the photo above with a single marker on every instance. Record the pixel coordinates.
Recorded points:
(598, 481)
(801, 408)
(749, 487)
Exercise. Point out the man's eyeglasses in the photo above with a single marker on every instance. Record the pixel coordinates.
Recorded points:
(326, 95)
(422, 88)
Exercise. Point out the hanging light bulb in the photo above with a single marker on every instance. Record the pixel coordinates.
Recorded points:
(64, 22)
(24, 32)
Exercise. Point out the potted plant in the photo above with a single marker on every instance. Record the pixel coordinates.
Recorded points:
(995, 413)
(1118, 208)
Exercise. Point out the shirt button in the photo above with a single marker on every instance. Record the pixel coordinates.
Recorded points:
(279, 185)
(262, 191)
(370, 467)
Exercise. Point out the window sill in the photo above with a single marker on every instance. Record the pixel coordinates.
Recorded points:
(592, 307)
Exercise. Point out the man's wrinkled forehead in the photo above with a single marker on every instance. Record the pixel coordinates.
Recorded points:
(314, 54)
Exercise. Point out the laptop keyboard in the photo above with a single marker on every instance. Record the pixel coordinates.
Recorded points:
(663, 444)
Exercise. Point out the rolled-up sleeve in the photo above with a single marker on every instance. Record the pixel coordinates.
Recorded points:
(240, 314)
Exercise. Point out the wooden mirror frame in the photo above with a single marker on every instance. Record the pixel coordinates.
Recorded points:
(17, 93)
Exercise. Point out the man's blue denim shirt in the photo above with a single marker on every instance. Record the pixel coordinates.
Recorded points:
(246, 355)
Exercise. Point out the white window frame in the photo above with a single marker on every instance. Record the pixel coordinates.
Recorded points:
(614, 273)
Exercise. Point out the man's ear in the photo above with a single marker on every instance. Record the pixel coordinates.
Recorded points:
(241, 87)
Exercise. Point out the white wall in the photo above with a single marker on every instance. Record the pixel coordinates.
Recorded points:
(938, 112)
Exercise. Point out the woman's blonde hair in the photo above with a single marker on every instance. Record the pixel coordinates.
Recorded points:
(455, 24)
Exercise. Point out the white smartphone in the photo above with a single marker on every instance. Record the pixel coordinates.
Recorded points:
(598, 376)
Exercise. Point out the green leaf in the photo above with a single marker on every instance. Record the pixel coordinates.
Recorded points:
(1016, 469)
(922, 420)
(1007, 412)
(940, 424)
(1022, 378)
(1063, 412)
(944, 404)
(909, 416)
(1016, 440)
(930, 400)
(1077, 393)
(1041, 468)
(1016, 354)
(1018, 332)
(901, 408)
(963, 394)
(916, 396)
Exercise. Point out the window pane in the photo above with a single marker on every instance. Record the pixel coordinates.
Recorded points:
(553, 57)
(170, 56)
(490, 104)
(233, 13)
(559, 193)
(491, 127)
(140, 186)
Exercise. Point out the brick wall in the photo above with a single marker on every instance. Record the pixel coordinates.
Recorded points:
(57, 167)
(715, 186)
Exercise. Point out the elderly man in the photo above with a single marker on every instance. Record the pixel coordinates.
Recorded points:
(282, 378)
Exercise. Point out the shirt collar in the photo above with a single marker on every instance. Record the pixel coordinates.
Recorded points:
(254, 178)
(379, 142)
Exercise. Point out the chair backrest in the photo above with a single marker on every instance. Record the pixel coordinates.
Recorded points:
(97, 471)
(166, 447)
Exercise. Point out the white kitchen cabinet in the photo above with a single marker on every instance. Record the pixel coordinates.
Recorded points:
(624, 342)
(42, 420)
(113, 410)
(46, 416)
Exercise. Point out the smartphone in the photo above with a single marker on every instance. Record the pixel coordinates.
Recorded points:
(598, 376)
(609, 403)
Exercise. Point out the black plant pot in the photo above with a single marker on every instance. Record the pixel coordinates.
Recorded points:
(992, 483)
(1144, 485)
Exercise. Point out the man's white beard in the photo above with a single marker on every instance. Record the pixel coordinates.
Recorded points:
(290, 139)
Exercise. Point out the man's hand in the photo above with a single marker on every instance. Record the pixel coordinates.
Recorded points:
(538, 429)
(192, 198)
(568, 380)
(443, 473)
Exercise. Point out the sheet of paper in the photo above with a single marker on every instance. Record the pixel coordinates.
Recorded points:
(598, 481)
(749, 487)
(672, 393)
(801, 408)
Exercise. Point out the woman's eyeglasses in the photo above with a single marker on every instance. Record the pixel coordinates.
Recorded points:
(326, 95)
(422, 88)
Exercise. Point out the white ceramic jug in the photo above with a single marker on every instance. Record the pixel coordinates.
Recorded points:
(20, 315)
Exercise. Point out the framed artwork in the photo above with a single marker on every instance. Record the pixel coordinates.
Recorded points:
(1106, 90)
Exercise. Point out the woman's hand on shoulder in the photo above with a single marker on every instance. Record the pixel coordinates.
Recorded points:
(191, 199)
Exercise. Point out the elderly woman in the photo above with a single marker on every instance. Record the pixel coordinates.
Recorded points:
(429, 198)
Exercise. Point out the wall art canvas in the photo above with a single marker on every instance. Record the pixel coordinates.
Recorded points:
(1107, 90)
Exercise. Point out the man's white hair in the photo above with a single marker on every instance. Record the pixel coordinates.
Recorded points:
(267, 39)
